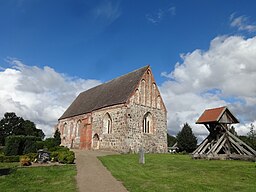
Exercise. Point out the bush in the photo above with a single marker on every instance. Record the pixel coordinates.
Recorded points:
(19, 145)
(66, 157)
(9, 159)
(25, 160)
(59, 148)
(55, 156)
(32, 156)
(14, 145)
(30, 145)
(49, 143)
(39, 145)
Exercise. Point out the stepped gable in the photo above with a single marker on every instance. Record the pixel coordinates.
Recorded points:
(116, 91)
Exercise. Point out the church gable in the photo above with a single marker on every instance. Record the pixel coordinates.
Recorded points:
(147, 93)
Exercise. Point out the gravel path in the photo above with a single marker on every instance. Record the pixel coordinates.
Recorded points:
(92, 176)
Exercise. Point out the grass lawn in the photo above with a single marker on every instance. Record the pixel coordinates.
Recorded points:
(39, 179)
(167, 172)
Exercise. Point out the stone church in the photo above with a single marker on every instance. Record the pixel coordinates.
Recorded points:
(122, 115)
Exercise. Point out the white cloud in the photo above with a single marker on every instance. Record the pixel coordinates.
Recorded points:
(223, 75)
(241, 23)
(160, 14)
(38, 94)
(108, 11)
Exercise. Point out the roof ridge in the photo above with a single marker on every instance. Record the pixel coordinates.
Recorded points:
(113, 92)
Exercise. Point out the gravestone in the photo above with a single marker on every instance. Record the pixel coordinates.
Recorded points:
(141, 156)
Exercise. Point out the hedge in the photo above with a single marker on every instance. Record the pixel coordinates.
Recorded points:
(9, 159)
(19, 145)
(66, 157)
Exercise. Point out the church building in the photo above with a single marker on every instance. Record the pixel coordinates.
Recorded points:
(121, 115)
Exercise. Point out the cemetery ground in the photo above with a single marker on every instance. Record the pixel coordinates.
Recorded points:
(161, 172)
(168, 172)
(34, 179)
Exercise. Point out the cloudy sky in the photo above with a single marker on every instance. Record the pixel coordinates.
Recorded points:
(202, 53)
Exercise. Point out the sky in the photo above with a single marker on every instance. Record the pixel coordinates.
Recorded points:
(202, 54)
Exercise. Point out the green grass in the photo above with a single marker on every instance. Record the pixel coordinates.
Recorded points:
(39, 179)
(166, 172)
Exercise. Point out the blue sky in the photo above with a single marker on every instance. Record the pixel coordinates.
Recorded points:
(104, 39)
(94, 41)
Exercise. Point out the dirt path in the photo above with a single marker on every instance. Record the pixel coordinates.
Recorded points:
(92, 176)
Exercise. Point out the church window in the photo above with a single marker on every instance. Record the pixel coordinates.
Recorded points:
(137, 96)
(65, 129)
(71, 130)
(147, 123)
(107, 124)
(78, 128)
(143, 91)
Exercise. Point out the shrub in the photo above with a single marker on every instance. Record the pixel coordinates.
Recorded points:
(32, 156)
(66, 157)
(25, 160)
(55, 156)
(59, 148)
(9, 159)
(39, 145)
(49, 143)
(19, 145)
(30, 145)
(14, 145)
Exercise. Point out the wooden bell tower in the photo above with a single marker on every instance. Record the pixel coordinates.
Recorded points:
(221, 143)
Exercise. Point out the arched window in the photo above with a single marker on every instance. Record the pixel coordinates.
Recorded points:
(148, 92)
(65, 129)
(143, 91)
(71, 130)
(78, 128)
(137, 96)
(148, 123)
(154, 95)
(107, 124)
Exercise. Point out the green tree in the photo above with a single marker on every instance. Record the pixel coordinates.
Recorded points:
(186, 140)
(252, 136)
(57, 137)
(11, 124)
(171, 140)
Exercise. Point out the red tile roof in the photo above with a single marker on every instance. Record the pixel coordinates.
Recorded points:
(214, 115)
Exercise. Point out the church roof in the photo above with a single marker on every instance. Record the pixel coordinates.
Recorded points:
(217, 115)
(116, 91)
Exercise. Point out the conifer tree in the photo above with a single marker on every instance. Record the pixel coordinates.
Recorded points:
(186, 140)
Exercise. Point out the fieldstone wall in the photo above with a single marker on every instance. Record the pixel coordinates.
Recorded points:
(115, 139)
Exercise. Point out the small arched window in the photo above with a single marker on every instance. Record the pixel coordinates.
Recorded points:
(78, 128)
(137, 96)
(65, 129)
(143, 91)
(71, 130)
(148, 123)
(107, 124)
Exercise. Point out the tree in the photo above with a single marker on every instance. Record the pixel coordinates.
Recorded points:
(11, 124)
(57, 137)
(171, 140)
(252, 136)
(186, 140)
